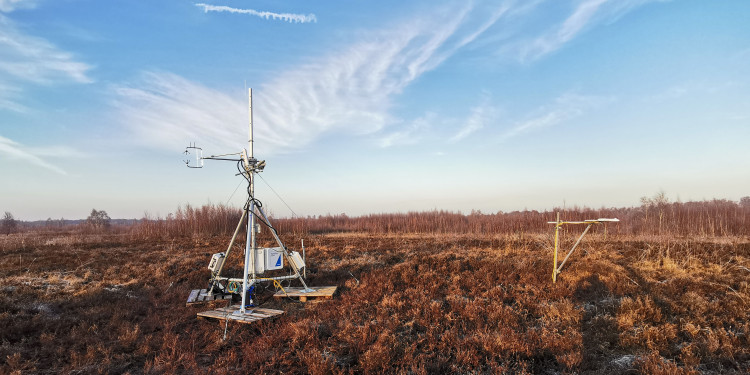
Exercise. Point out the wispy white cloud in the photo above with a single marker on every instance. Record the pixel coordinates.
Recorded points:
(350, 90)
(287, 17)
(28, 58)
(12, 150)
(585, 14)
(167, 111)
(693, 88)
(564, 108)
(409, 134)
(64, 152)
(432, 126)
(9, 96)
(11, 5)
(481, 115)
(573, 25)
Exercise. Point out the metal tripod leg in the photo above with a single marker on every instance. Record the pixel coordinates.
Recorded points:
(226, 255)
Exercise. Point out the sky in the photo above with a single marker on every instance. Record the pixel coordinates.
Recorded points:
(367, 107)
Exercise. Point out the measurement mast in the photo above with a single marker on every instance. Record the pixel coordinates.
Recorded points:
(250, 253)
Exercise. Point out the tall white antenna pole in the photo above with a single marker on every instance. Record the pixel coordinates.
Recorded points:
(250, 253)
(252, 180)
(250, 141)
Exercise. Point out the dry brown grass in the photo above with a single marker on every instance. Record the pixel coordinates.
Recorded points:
(416, 303)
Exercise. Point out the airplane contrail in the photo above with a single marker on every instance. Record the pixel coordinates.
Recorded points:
(288, 17)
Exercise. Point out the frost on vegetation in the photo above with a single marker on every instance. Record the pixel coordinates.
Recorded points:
(606, 302)
(61, 240)
(118, 288)
(625, 361)
(41, 307)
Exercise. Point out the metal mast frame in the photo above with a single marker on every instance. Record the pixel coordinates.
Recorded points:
(252, 211)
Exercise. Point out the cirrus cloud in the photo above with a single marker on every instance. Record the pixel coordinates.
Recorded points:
(352, 90)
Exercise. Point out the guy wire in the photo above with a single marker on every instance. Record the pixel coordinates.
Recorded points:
(279, 196)
(235, 190)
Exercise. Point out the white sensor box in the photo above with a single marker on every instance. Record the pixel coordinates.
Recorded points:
(268, 259)
(297, 259)
(216, 261)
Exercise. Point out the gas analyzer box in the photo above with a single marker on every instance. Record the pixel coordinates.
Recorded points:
(268, 259)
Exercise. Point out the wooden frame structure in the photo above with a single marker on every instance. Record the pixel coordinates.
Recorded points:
(559, 224)
(325, 292)
(230, 313)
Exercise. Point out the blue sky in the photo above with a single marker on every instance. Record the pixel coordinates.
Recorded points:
(372, 106)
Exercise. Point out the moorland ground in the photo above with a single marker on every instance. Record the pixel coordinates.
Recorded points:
(76, 301)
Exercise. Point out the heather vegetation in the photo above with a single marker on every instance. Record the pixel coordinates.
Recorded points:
(664, 291)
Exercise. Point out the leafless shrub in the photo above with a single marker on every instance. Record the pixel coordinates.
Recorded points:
(8, 224)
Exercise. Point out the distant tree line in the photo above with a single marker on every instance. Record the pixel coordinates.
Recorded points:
(656, 215)
(97, 220)
(707, 218)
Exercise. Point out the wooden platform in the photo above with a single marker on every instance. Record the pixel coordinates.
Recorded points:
(197, 297)
(251, 314)
(318, 292)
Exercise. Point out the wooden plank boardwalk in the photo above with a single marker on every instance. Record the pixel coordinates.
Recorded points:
(325, 292)
(252, 314)
(198, 296)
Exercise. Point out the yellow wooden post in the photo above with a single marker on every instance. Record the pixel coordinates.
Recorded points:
(554, 260)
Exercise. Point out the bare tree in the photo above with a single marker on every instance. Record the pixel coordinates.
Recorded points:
(9, 223)
(658, 202)
(98, 219)
(745, 202)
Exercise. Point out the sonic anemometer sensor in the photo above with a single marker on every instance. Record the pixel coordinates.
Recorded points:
(257, 260)
(194, 156)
